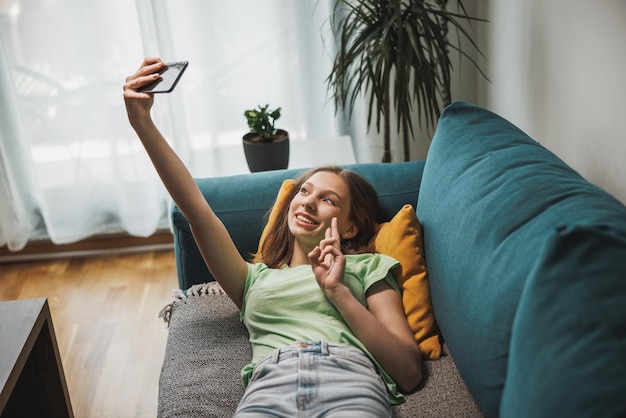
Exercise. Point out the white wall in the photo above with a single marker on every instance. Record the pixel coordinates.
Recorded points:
(558, 71)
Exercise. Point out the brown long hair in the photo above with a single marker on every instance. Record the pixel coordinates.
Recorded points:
(277, 249)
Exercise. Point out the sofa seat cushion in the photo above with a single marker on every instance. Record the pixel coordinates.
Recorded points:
(492, 203)
(208, 345)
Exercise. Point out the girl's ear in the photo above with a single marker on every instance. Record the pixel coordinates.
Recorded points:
(352, 230)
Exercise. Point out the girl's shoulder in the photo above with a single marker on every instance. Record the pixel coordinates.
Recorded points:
(371, 259)
(370, 264)
(370, 268)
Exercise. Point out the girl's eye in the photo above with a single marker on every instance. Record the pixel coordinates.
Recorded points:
(329, 200)
(303, 190)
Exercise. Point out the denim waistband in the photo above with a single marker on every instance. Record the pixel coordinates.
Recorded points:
(320, 348)
(313, 379)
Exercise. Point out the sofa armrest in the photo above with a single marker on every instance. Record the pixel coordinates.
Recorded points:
(526, 267)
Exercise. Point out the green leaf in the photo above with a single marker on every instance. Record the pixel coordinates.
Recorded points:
(396, 51)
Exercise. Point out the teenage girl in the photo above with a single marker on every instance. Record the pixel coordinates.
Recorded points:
(324, 314)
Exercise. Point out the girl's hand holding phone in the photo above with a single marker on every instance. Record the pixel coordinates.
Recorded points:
(153, 76)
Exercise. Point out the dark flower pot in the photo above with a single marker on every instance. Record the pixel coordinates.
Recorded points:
(265, 156)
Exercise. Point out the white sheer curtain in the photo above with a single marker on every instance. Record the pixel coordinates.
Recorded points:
(70, 165)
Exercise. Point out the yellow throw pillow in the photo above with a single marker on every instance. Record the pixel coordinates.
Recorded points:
(401, 238)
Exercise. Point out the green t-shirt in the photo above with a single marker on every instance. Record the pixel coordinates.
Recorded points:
(283, 305)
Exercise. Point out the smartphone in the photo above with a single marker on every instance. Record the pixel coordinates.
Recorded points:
(170, 74)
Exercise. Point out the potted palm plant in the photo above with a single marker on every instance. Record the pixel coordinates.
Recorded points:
(397, 53)
(266, 148)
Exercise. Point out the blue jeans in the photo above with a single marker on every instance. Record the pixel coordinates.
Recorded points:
(315, 379)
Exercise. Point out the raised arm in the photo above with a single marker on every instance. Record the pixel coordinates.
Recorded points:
(214, 242)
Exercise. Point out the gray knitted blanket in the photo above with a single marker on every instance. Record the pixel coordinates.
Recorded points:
(207, 347)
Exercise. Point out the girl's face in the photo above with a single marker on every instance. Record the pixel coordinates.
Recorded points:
(323, 196)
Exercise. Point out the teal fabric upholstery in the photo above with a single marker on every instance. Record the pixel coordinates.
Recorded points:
(569, 334)
(242, 203)
(524, 302)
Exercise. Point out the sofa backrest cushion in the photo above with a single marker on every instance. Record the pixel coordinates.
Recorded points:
(498, 212)
(243, 201)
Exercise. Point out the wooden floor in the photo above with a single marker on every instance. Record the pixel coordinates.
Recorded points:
(105, 315)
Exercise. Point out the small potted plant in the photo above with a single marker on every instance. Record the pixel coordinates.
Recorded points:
(266, 148)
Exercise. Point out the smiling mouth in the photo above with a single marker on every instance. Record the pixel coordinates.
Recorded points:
(306, 220)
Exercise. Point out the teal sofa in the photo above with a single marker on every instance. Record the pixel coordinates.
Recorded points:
(527, 270)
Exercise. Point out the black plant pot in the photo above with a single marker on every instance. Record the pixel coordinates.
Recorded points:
(265, 156)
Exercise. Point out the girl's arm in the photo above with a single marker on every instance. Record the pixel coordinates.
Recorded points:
(214, 242)
(389, 337)
(382, 326)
